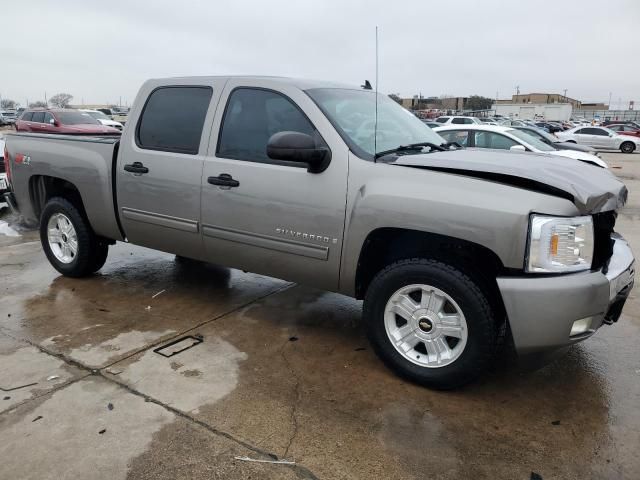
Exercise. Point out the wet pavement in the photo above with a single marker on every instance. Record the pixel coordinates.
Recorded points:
(277, 371)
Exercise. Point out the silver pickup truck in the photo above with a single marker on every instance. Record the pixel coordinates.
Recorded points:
(451, 249)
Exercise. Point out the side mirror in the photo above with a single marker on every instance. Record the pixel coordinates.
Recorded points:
(52, 121)
(298, 147)
(518, 148)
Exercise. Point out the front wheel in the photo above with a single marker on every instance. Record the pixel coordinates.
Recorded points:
(431, 323)
(627, 147)
(68, 240)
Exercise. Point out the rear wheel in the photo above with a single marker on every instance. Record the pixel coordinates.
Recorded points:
(68, 240)
(431, 323)
(627, 147)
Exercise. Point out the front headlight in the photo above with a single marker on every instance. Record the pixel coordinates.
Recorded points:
(559, 244)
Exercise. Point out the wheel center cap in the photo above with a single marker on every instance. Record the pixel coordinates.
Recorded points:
(425, 325)
(64, 238)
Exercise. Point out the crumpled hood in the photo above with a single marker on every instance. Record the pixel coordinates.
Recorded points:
(592, 189)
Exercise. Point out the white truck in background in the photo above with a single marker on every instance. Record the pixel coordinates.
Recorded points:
(553, 112)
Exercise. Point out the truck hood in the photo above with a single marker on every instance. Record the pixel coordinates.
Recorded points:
(592, 189)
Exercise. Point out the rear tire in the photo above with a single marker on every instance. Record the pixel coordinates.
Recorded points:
(444, 340)
(627, 147)
(68, 240)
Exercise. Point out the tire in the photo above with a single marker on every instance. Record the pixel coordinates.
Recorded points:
(61, 220)
(627, 147)
(469, 357)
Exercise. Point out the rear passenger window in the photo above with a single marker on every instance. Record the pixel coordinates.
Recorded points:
(173, 118)
(38, 117)
(251, 117)
(458, 121)
(27, 116)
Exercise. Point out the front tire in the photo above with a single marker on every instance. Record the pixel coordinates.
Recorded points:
(430, 323)
(627, 147)
(68, 240)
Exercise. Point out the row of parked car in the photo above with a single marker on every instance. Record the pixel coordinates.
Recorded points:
(508, 135)
(65, 120)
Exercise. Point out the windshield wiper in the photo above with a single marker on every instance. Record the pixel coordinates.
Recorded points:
(412, 146)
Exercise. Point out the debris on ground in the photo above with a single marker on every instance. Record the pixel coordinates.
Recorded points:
(555, 422)
(257, 460)
(37, 418)
(110, 406)
(293, 339)
(148, 307)
(102, 431)
(113, 372)
(7, 398)
(535, 476)
(159, 293)
(53, 377)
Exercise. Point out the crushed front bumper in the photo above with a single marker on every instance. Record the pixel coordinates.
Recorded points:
(542, 310)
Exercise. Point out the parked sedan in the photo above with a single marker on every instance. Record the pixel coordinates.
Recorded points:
(62, 121)
(600, 138)
(622, 129)
(103, 119)
(508, 138)
(555, 142)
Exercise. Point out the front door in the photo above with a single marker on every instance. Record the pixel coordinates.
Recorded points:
(160, 169)
(272, 217)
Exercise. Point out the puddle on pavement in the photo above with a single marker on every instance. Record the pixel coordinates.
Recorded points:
(200, 375)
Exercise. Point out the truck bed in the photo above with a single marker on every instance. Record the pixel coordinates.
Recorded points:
(86, 161)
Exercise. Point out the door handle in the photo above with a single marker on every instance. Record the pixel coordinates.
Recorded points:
(136, 167)
(224, 180)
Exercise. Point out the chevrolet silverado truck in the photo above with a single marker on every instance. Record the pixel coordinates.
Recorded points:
(452, 250)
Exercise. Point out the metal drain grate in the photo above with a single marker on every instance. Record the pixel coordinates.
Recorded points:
(179, 345)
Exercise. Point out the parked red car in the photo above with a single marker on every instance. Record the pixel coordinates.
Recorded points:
(62, 120)
(623, 129)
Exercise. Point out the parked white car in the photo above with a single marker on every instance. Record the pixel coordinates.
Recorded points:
(600, 138)
(103, 119)
(507, 138)
(458, 120)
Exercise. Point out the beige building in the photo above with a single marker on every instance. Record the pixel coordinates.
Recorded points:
(540, 98)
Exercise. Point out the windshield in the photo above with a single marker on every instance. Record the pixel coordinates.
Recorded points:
(352, 113)
(76, 118)
(99, 115)
(532, 140)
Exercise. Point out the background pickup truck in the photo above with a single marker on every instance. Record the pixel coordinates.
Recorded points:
(451, 249)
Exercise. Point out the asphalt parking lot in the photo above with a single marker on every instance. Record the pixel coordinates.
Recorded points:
(272, 371)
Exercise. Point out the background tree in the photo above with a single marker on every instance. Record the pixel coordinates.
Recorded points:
(395, 97)
(38, 104)
(477, 102)
(61, 100)
(8, 104)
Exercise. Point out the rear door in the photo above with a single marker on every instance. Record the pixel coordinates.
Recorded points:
(37, 122)
(160, 166)
(280, 219)
(598, 137)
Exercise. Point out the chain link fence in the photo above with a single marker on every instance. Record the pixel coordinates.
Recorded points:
(603, 115)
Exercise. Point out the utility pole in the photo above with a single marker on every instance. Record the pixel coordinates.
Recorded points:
(565, 95)
(517, 89)
(609, 105)
(45, 99)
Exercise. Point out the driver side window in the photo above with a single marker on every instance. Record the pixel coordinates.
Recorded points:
(252, 116)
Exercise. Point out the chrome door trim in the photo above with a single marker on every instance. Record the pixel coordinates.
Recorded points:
(176, 223)
(266, 241)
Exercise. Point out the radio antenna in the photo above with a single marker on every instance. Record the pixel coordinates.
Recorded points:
(375, 127)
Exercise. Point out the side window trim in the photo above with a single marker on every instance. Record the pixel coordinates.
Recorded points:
(171, 150)
(269, 161)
